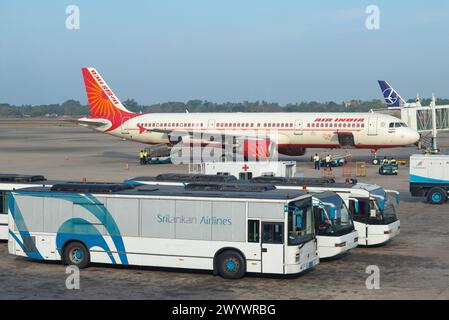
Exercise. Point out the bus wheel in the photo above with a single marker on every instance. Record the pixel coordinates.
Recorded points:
(437, 196)
(231, 265)
(76, 254)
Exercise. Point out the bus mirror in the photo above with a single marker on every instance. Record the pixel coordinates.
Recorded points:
(332, 213)
(381, 204)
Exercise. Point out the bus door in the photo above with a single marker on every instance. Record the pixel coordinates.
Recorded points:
(272, 247)
(360, 217)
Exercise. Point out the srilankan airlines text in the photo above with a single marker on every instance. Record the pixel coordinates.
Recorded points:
(193, 220)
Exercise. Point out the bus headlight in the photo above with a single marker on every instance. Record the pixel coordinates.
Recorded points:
(297, 258)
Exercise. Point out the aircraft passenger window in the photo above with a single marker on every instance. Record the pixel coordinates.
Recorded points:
(258, 124)
(362, 125)
(392, 125)
(252, 125)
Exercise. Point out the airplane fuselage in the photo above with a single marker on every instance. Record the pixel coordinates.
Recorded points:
(287, 130)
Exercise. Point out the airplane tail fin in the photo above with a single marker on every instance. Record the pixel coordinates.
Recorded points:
(103, 102)
(392, 98)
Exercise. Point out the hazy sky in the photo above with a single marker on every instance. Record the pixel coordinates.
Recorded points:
(176, 50)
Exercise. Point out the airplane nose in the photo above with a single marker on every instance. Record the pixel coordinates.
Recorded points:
(414, 136)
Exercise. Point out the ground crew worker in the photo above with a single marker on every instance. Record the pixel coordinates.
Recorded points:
(142, 157)
(316, 160)
(145, 155)
(328, 161)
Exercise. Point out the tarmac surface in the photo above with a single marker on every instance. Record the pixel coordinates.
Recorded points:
(415, 265)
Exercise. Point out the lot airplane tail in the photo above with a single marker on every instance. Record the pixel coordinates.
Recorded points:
(105, 107)
(392, 98)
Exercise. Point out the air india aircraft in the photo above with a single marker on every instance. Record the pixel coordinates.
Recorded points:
(289, 133)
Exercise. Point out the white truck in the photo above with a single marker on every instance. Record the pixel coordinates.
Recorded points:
(429, 177)
(246, 170)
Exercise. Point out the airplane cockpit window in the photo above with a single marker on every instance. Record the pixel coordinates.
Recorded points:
(397, 125)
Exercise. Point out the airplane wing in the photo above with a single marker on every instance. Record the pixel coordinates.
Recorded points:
(250, 145)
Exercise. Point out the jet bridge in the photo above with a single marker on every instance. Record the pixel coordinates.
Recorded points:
(427, 121)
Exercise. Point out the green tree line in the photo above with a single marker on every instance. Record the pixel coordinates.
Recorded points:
(75, 108)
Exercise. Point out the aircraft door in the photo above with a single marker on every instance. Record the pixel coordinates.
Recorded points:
(372, 126)
(298, 127)
(124, 126)
(211, 124)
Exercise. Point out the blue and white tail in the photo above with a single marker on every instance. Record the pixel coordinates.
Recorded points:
(392, 98)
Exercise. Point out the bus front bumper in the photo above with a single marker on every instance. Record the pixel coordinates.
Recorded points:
(380, 234)
(301, 267)
(329, 247)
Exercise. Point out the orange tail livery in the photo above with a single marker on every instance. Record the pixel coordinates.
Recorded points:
(103, 103)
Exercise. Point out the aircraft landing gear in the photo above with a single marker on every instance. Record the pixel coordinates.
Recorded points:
(375, 161)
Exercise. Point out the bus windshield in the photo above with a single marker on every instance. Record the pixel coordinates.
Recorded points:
(383, 206)
(335, 219)
(300, 222)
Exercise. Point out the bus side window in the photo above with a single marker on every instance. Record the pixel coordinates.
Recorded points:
(272, 233)
(4, 196)
(253, 231)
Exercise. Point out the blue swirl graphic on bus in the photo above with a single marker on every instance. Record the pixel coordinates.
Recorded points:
(90, 204)
(82, 230)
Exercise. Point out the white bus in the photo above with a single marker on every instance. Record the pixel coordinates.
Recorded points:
(374, 214)
(226, 228)
(334, 226)
(8, 183)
